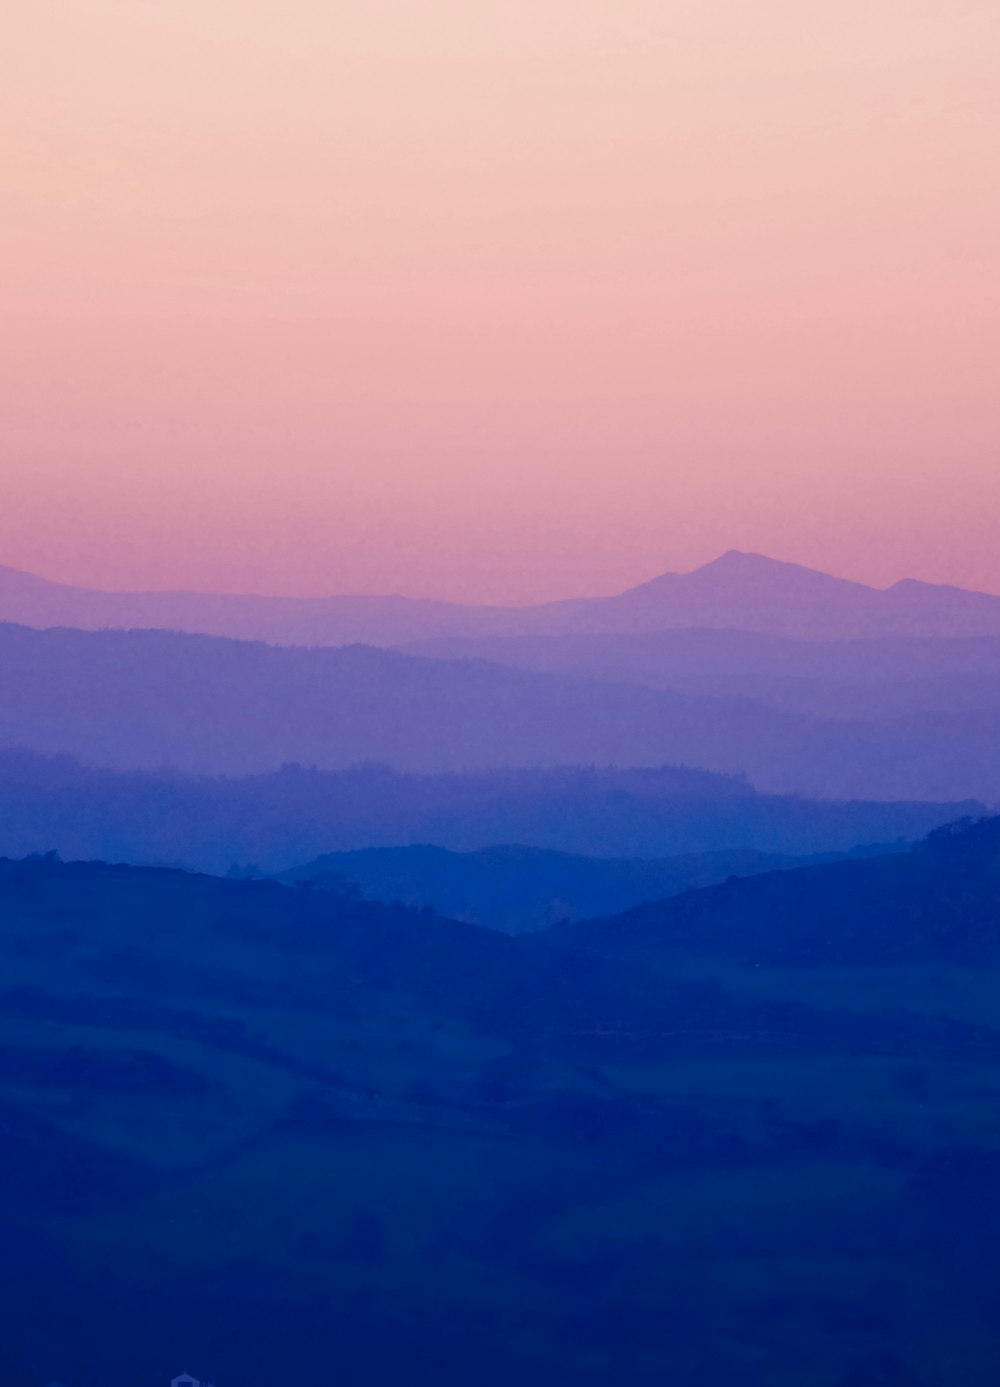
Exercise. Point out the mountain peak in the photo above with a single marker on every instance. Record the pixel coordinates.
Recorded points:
(747, 563)
(732, 556)
(741, 571)
(742, 560)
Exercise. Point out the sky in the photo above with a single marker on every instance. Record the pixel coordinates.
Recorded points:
(498, 300)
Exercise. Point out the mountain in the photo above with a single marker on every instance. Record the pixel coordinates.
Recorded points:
(939, 903)
(280, 820)
(31, 601)
(517, 889)
(746, 1136)
(737, 590)
(877, 678)
(754, 593)
(153, 699)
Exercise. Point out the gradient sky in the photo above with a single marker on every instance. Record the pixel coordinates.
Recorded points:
(498, 299)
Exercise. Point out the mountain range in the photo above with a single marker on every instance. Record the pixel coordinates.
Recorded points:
(271, 824)
(869, 679)
(738, 590)
(155, 699)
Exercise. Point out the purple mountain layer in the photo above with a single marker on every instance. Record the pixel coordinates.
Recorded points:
(738, 591)
(131, 699)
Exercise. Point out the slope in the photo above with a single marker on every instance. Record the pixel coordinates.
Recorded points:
(276, 821)
(517, 889)
(273, 1135)
(149, 699)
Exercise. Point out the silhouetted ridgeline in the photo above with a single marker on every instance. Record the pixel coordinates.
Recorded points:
(150, 699)
(939, 902)
(518, 889)
(288, 818)
(742, 591)
(292, 1137)
(882, 678)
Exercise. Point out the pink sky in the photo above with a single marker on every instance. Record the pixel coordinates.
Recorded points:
(498, 299)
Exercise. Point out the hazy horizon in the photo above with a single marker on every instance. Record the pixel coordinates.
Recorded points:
(637, 581)
(498, 302)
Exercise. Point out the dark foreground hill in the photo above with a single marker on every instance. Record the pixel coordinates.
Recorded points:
(275, 1136)
(518, 889)
(938, 902)
(278, 821)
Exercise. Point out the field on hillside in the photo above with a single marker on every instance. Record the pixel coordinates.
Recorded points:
(267, 1135)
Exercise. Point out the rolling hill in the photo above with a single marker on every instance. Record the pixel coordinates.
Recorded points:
(152, 699)
(275, 1135)
(277, 821)
(517, 889)
(872, 679)
(148, 699)
(939, 902)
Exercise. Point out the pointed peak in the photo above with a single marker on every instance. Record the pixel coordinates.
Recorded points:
(741, 577)
(748, 561)
(762, 569)
(741, 559)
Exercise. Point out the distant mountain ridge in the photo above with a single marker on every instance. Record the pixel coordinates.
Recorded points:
(276, 822)
(152, 699)
(882, 678)
(737, 590)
